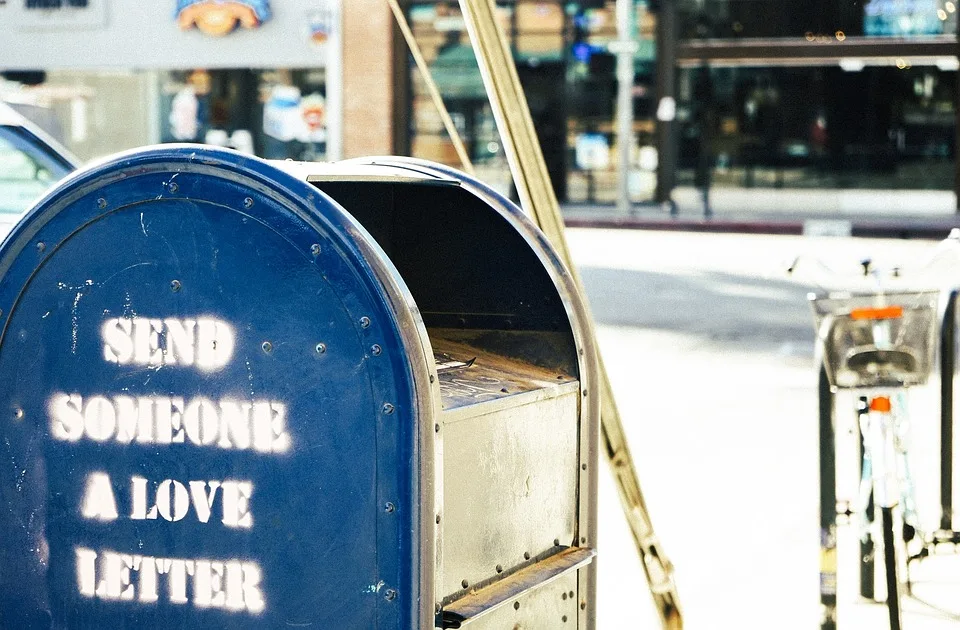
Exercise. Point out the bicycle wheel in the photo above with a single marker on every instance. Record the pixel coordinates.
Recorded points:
(867, 550)
(891, 569)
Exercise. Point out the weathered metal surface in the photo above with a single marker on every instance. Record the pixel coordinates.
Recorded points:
(510, 464)
(552, 350)
(474, 375)
(553, 606)
(209, 406)
(509, 487)
(484, 601)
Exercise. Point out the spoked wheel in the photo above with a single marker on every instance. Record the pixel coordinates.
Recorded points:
(891, 569)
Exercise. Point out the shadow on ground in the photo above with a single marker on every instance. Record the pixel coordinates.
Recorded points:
(727, 311)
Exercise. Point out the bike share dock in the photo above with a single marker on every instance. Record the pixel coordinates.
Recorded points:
(875, 345)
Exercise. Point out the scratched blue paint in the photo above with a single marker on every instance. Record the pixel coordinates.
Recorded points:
(237, 235)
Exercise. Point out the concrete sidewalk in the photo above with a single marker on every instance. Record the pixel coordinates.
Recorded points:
(819, 212)
(710, 350)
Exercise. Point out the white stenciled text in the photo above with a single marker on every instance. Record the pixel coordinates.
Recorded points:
(206, 343)
(167, 508)
(231, 585)
(226, 424)
(170, 500)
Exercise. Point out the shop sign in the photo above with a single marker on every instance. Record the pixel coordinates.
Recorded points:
(60, 14)
(55, 4)
(221, 17)
(321, 23)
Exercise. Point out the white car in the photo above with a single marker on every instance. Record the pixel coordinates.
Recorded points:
(30, 162)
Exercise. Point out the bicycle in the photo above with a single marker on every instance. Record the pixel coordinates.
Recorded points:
(879, 343)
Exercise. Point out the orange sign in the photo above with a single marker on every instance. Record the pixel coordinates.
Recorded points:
(220, 17)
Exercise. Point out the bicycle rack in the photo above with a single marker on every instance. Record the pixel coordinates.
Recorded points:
(948, 366)
(828, 476)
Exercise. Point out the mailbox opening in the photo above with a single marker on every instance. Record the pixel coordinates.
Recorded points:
(474, 278)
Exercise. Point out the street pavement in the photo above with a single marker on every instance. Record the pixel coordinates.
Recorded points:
(709, 347)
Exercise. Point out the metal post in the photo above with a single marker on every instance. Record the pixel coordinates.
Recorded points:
(625, 48)
(666, 103)
(333, 51)
(956, 138)
(867, 547)
(828, 505)
(948, 366)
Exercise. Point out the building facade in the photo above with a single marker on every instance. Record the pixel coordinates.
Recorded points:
(730, 94)
(822, 94)
(258, 76)
(751, 96)
(562, 51)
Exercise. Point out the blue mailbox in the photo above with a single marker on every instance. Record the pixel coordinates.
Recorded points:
(250, 394)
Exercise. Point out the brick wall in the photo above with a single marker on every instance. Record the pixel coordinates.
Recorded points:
(374, 80)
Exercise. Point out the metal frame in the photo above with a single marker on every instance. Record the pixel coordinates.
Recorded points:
(828, 501)
(801, 51)
(948, 367)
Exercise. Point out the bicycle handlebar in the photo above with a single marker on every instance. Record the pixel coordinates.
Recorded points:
(876, 275)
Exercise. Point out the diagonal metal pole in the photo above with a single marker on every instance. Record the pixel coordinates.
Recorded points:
(431, 86)
(538, 199)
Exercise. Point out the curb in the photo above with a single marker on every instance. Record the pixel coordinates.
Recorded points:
(898, 229)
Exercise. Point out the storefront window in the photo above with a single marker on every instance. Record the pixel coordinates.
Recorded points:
(592, 94)
(441, 33)
(276, 114)
(732, 19)
(871, 127)
(568, 75)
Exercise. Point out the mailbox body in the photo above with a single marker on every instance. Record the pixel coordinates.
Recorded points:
(252, 394)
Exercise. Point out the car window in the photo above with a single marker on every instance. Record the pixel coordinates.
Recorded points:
(27, 169)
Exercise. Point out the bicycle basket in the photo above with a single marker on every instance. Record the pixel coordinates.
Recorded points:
(877, 340)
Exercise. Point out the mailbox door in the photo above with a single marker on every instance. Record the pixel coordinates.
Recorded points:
(209, 406)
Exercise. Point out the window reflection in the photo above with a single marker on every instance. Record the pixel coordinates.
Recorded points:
(816, 19)
(564, 62)
(874, 127)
